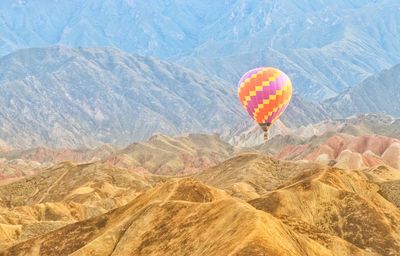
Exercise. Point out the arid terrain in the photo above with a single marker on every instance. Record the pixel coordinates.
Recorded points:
(249, 204)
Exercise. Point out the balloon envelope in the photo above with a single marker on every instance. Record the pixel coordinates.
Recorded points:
(265, 93)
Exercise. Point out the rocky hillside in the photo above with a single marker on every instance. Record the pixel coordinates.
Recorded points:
(17, 164)
(64, 194)
(248, 205)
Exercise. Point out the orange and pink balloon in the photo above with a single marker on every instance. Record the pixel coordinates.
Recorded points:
(265, 93)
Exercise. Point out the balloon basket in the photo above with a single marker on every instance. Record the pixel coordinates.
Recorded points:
(265, 128)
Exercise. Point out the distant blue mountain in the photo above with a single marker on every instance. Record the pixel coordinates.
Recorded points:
(376, 94)
(325, 46)
(80, 97)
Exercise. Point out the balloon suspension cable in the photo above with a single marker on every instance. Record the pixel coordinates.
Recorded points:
(265, 128)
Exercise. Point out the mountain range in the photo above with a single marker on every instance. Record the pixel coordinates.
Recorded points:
(84, 97)
(322, 45)
(72, 98)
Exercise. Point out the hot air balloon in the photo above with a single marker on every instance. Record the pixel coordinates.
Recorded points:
(265, 93)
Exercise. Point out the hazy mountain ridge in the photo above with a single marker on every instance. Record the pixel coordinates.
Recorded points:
(73, 97)
(63, 97)
(321, 45)
(376, 94)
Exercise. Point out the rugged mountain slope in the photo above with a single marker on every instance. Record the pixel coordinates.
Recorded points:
(340, 203)
(62, 97)
(321, 202)
(304, 209)
(65, 194)
(316, 41)
(250, 175)
(95, 96)
(180, 217)
(377, 94)
(173, 155)
(391, 191)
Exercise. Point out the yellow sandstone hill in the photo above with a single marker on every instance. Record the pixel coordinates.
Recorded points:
(65, 194)
(325, 203)
(181, 217)
(251, 204)
(250, 175)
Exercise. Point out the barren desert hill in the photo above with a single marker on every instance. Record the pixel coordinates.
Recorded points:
(359, 206)
(341, 203)
(249, 175)
(180, 217)
(303, 209)
(64, 194)
(66, 181)
(391, 191)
